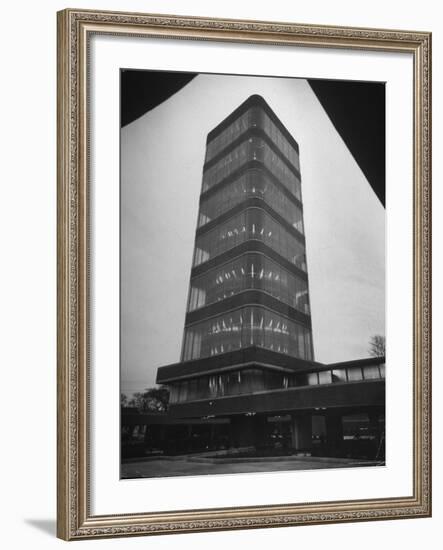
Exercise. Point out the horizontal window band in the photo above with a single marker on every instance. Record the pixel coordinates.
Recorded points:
(343, 397)
(251, 245)
(245, 255)
(253, 356)
(253, 298)
(252, 101)
(317, 368)
(243, 137)
(229, 369)
(234, 360)
(252, 202)
(253, 164)
(255, 272)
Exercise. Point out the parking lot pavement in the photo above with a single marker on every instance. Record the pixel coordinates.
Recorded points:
(184, 467)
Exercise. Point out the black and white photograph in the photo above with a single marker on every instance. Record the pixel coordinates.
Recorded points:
(252, 274)
(220, 237)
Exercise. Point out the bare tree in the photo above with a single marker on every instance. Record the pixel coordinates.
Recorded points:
(377, 346)
(152, 399)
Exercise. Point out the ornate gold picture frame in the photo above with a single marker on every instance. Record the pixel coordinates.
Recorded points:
(76, 518)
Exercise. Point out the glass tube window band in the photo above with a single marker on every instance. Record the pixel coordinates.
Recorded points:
(252, 184)
(248, 119)
(251, 224)
(246, 327)
(254, 148)
(249, 380)
(254, 117)
(249, 272)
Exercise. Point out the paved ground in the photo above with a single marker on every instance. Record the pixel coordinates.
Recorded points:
(189, 466)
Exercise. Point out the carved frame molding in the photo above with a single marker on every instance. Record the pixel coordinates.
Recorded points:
(75, 27)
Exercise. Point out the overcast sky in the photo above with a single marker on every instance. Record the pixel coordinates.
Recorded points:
(162, 155)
